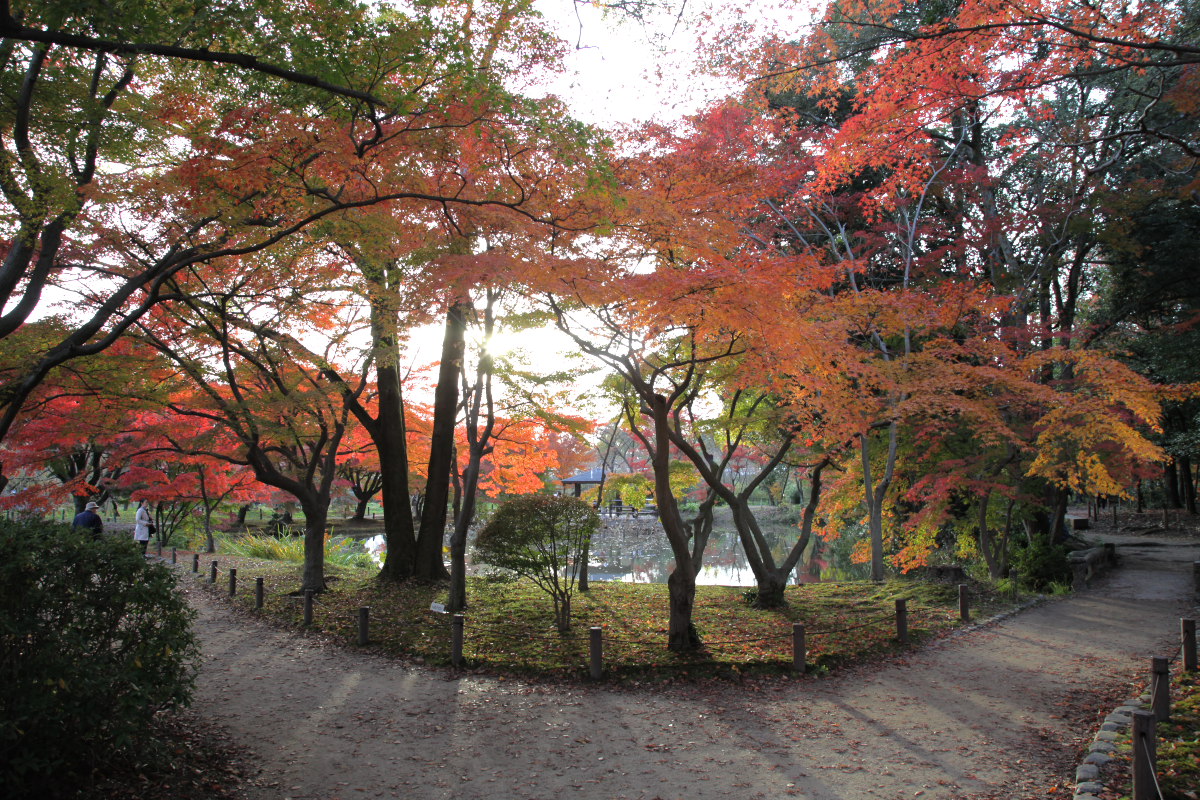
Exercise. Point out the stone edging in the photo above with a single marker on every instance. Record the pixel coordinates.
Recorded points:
(1088, 782)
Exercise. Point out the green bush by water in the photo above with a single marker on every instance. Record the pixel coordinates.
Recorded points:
(93, 642)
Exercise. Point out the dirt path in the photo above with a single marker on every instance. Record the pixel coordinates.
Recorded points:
(1003, 711)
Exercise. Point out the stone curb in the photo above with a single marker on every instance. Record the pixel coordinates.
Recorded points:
(1089, 783)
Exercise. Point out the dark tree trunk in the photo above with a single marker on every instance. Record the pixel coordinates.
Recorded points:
(681, 591)
(1171, 485)
(389, 435)
(243, 510)
(360, 509)
(315, 514)
(582, 581)
(429, 563)
(1187, 483)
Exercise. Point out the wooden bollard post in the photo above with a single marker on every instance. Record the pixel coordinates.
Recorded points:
(596, 652)
(1145, 756)
(232, 581)
(799, 648)
(1160, 692)
(212, 574)
(1014, 578)
(964, 603)
(456, 639)
(308, 606)
(364, 625)
(1187, 635)
(174, 556)
(195, 562)
(159, 546)
(258, 592)
(1196, 578)
(902, 620)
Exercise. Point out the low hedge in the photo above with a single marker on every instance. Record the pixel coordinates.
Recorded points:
(94, 641)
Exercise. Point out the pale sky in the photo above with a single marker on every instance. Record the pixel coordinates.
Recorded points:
(623, 71)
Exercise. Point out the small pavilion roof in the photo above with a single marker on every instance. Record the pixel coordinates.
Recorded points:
(590, 476)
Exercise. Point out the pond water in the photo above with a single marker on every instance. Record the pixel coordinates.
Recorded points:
(636, 551)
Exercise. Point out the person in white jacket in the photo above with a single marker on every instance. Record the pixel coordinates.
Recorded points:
(143, 522)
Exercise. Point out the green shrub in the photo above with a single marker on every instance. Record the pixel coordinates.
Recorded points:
(543, 538)
(93, 642)
(1041, 564)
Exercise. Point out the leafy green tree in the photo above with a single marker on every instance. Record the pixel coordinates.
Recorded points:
(542, 538)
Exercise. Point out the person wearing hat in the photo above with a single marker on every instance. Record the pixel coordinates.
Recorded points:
(88, 518)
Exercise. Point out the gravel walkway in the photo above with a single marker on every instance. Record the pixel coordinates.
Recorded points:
(1005, 710)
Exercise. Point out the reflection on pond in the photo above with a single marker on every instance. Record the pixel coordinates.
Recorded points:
(636, 551)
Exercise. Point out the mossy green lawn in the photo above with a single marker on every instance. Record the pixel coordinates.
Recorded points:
(1179, 740)
(1177, 746)
(509, 626)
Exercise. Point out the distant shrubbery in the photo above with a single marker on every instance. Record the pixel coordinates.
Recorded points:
(94, 641)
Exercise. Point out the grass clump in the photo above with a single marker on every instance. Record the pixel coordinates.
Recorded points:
(508, 629)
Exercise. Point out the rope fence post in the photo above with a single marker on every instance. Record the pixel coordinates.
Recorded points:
(596, 652)
(902, 620)
(212, 574)
(1145, 782)
(258, 592)
(1160, 695)
(1196, 578)
(159, 553)
(364, 625)
(1187, 633)
(232, 581)
(799, 648)
(308, 606)
(174, 556)
(964, 603)
(456, 639)
(195, 562)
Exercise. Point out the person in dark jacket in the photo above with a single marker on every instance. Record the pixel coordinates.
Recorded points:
(88, 518)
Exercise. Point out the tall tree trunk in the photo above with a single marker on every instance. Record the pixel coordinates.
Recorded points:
(1187, 483)
(391, 442)
(1171, 484)
(478, 405)
(874, 493)
(429, 563)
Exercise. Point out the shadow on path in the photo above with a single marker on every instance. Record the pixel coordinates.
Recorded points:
(1003, 711)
